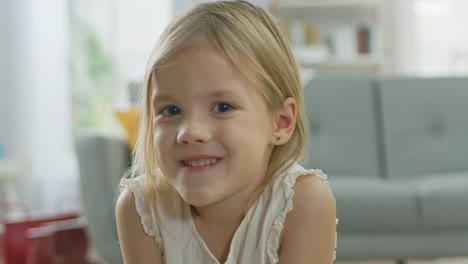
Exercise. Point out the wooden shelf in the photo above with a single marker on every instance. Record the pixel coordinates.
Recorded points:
(336, 34)
(319, 56)
(9, 168)
(284, 4)
(361, 61)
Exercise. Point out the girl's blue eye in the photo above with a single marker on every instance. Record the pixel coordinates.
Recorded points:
(223, 107)
(170, 110)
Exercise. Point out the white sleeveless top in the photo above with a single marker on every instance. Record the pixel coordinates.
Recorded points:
(256, 240)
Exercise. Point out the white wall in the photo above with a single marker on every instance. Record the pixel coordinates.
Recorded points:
(128, 30)
(442, 37)
(139, 23)
(34, 104)
(7, 71)
(34, 83)
(428, 37)
(401, 37)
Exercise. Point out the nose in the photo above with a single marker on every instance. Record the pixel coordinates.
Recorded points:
(193, 130)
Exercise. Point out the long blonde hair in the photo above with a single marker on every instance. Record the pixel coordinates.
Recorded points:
(253, 41)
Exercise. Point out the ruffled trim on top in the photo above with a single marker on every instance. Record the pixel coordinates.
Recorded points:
(287, 185)
(149, 224)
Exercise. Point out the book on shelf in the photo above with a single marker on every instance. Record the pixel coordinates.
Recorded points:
(306, 54)
(346, 43)
(302, 32)
(352, 40)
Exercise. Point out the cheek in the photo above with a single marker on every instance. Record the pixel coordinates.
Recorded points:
(232, 133)
(157, 138)
(242, 133)
(157, 146)
(162, 138)
(162, 147)
(222, 132)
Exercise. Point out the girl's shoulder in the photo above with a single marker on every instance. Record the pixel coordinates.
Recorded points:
(155, 207)
(297, 173)
(132, 189)
(131, 183)
(135, 236)
(303, 189)
(311, 223)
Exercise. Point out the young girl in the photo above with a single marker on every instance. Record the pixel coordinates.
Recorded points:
(222, 129)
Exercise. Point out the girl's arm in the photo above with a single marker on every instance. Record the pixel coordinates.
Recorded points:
(309, 230)
(136, 246)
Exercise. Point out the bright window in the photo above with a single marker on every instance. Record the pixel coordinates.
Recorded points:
(110, 43)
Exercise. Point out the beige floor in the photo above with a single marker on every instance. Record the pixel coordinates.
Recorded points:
(98, 260)
(434, 261)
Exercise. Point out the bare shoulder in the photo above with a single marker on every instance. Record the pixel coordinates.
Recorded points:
(135, 244)
(309, 230)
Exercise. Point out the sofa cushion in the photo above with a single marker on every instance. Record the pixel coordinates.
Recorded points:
(340, 111)
(425, 125)
(444, 200)
(103, 159)
(374, 205)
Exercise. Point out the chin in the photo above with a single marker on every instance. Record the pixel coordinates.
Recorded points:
(197, 199)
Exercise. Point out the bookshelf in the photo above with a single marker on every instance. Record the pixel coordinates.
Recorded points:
(335, 35)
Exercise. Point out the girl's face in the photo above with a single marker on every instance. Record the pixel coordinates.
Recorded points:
(213, 132)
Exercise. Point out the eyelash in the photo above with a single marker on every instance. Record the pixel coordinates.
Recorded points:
(229, 106)
(164, 110)
(172, 110)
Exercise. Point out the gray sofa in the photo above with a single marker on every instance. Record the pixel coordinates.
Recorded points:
(103, 158)
(395, 150)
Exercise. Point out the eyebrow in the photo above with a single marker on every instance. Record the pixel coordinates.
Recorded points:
(222, 93)
(161, 97)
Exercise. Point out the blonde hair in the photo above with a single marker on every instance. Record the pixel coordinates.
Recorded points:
(253, 41)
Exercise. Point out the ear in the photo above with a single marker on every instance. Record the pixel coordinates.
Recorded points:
(285, 122)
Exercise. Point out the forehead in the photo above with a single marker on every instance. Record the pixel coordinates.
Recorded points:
(198, 68)
(200, 62)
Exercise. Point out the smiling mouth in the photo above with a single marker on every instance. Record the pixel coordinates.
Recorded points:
(200, 162)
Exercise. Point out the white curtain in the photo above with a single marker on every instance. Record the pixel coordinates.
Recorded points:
(35, 100)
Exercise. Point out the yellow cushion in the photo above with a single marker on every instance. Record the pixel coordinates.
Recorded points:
(130, 121)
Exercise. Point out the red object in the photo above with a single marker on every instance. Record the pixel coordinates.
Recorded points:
(58, 242)
(39, 245)
(5, 208)
(15, 239)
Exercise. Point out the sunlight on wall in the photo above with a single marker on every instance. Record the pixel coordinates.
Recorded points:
(35, 123)
(440, 31)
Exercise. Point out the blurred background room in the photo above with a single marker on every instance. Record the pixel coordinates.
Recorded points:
(390, 76)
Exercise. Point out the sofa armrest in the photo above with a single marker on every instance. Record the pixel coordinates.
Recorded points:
(103, 160)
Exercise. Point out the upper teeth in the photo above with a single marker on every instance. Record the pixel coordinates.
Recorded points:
(199, 163)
